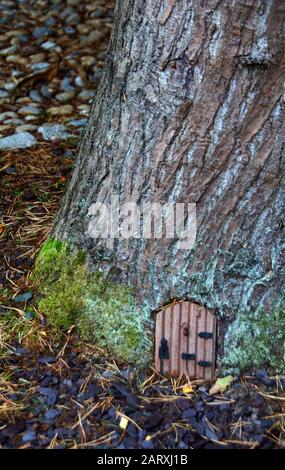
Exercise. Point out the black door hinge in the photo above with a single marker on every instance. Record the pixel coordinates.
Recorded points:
(204, 364)
(205, 335)
(163, 349)
(188, 357)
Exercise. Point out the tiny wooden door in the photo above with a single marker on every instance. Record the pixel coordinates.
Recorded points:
(185, 340)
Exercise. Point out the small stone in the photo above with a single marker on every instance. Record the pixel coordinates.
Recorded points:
(35, 96)
(79, 82)
(83, 109)
(31, 118)
(53, 132)
(60, 110)
(92, 38)
(46, 91)
(51, 413)
(8, 50)
(24, 38)
(17, 141)
(26, 128)
(69, 30)
(29, 436)
(9, 86)
(17, 73)
(39, 66)
(78, 122)
(50, 393)
(48, 45)
(34, 58)
(7, 114)
(23, 297)
(16, 59)
(14, 122)
(86, 95)
(98, 13)
(83, 28)
(73, 19)
(87, 61)
(27, 110)
(65, 96)
(66, 85)
(4, 94)
(42, 31)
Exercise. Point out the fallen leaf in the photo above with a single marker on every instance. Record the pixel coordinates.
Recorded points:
(221, 384)
(123, 423)
(187, 389)
(2, 229)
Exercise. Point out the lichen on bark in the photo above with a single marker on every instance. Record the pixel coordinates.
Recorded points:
(255, 340)
(105, 312)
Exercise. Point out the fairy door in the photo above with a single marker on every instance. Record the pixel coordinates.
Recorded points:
(185, 340)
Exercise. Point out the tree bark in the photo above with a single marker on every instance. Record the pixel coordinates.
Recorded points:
(190, 109)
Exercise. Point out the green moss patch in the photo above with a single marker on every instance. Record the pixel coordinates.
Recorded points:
(104, 312)
(256, 340)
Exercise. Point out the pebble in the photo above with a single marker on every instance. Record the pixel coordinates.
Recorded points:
(17, 59)
(73, 19)
(34, 58)
(51, 413)
(79, 82)
(65, 96)
(14, 122)
(86, 95)
(47, 91)
(66, 85)
(78, 122)
(3, 94)
(9, 86)
(54, 132)
(88, 61)
(39, 66)
(35, 96)
(69, 30)
(27, 110)
(20, 140)
(83, 28)
(31, 118)
(7, 114)
(48, 45)
(26, 128)
(83, 109)
(29, 436)
(8, 50)
(60, 110)
(42, 31)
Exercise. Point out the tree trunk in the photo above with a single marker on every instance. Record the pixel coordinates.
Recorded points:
(190, 109)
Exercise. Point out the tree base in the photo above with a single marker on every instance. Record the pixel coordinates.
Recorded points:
(106, 313)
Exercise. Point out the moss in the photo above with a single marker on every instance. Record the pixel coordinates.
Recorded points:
(62, 280)
(112, 320)
(256, 340)
(103, 311)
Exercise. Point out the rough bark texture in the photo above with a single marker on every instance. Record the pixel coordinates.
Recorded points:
(190, 109)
